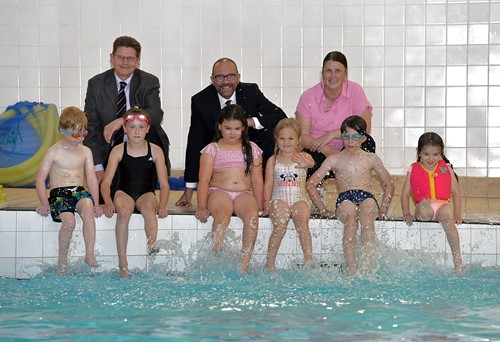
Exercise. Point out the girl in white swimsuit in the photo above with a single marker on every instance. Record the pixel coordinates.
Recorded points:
(285, 194)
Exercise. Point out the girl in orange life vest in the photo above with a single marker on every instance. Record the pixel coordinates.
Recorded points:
(431, 181)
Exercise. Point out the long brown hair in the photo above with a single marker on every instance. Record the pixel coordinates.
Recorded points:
(236, 112)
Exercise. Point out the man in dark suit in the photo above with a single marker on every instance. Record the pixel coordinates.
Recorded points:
(101, 102)
(262, 115)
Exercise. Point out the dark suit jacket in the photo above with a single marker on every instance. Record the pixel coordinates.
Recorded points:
(100, 107)
(205, 108)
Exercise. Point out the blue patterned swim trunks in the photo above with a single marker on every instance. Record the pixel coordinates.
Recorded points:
(65, 199)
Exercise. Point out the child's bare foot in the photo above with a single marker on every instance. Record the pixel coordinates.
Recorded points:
(153, 250)
(460, 270)
(124, 274)
(219, 247)
(91, 261)
(62, 269)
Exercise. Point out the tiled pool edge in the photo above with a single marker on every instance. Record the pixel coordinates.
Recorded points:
(28, 242)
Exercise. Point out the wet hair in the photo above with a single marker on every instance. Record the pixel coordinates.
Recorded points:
(284, 123)
(235, 112)
(355, 122)
(126, 41)
(72, 118)
(224, 59)
(136, 110)
(433, 139)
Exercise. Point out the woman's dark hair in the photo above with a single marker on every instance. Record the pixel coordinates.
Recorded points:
(355, 122)
(335, 56)
(236, 112)
(433, 139)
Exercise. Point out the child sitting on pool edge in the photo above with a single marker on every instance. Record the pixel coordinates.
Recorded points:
(69, 165)
(230, 180)
(355, 205)
(141, 165)
(431, 181)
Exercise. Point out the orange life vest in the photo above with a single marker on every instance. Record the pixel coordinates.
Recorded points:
(435, 185)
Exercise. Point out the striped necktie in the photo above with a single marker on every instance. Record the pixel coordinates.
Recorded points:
(121, 108)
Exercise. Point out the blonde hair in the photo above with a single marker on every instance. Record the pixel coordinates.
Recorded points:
(73, 118)
(284, 123)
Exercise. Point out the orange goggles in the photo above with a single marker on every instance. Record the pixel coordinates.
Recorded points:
(75, 135)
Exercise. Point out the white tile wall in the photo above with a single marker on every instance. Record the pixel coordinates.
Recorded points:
(424, 65)
(25, 253)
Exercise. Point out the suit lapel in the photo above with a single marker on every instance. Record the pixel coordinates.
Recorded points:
(134, 85)
(111, 89)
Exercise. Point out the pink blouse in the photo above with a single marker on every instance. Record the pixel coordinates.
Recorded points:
(312, 106)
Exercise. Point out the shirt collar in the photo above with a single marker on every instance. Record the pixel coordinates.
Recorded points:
(223, 101)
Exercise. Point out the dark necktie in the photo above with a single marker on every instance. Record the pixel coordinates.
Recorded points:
(228, 102)
(121, 108)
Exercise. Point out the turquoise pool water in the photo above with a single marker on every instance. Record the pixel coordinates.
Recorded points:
(407, 299)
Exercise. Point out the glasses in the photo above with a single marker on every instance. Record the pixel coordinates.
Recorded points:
(122, 58)
(75, 135)
(354, 137)
(229, 77)
(140, 117)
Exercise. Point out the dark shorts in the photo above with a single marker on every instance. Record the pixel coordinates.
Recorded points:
(65, 199)
(355, 196)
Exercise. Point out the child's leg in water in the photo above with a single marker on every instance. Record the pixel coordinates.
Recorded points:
(368, 212)
(124, 206)
(65, 234)
(246, 208)
(444, 215)
(347, 212)
(301, 213)
(147, 205)
(220, 206)
(279, 213)
(85, 208)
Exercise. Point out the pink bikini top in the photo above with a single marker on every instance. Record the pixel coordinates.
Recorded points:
(229, 159)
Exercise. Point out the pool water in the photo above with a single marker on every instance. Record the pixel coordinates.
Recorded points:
(408, 298)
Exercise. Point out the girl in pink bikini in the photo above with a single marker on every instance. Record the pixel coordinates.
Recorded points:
(431, 181)
(230, 181)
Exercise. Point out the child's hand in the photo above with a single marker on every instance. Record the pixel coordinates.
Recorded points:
(162, 212)
(43, 210)
(458, 218)
(202, 214)
(109, 209)
(408, 219)
(302, 160)
(327, 214)
(98, 211)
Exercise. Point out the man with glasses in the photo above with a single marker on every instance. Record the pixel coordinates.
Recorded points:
(113, 92)
(226, 88)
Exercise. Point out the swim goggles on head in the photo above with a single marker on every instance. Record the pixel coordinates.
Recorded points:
(140, 117)
(354, 137)
(75, 135)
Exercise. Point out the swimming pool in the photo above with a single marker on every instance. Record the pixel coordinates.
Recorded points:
(408, 298)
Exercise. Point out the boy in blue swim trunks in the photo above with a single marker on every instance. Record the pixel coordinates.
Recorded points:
(69, 165)
(355, 206)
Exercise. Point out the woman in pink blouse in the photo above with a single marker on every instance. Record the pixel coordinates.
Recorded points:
(323, 107)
